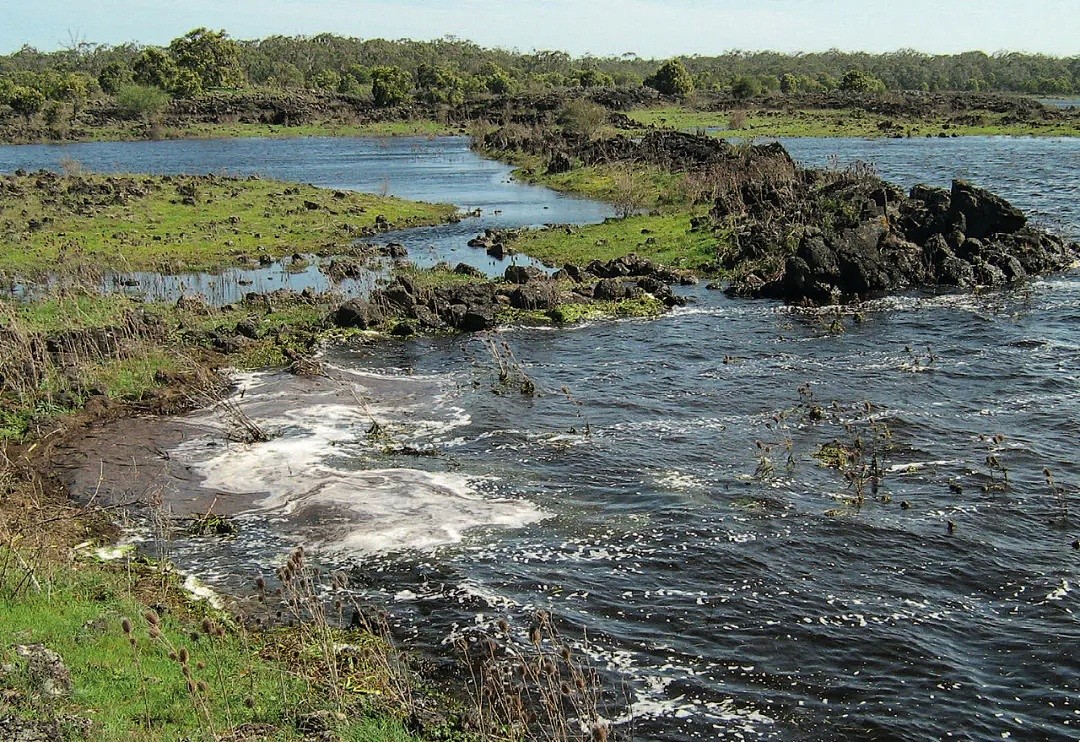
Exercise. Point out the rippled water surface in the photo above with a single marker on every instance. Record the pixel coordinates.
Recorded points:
(662, 491)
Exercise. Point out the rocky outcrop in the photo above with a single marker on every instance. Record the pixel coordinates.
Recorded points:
(860, 237)
(405, 306)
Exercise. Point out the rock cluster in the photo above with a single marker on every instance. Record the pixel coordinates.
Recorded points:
(405, 307)
(865, 237)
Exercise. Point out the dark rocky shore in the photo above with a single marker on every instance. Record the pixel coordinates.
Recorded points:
(823, 236)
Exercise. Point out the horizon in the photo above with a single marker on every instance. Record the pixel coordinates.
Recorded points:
(608, 28)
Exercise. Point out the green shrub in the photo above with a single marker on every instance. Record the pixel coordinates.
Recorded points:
(140, 101)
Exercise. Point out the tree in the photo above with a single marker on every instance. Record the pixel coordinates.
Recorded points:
(857, 81)
(113, 76)
(498, 81)
(186, 84)
(75, 88)
(326, 80)
(154, 67)
(211, 55)
(391, 86)
(745, 87)
(590, 77)
(26, 101)
(789, 84)
(438, 84)
(140, 101)
(671, 79)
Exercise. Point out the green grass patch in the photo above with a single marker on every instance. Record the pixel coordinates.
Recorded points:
(129, 378)
(183, 223)
(643, 308)
(757, 122)
(133, 686)
(663, 238)
(401, 128)
(436, 276)
(66, 311)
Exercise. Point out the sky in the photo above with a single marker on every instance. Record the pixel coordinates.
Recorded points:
(648, 28)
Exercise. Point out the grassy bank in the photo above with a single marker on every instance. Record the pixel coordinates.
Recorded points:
(180, 670)
(656, 208)
(206, 130)
(18, 132)
(666, 238)
(754, 122)
(52, 222)
(66, 350)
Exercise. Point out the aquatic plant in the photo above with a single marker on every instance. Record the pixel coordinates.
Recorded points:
(537, 689)
(1060, 495)
(511, 375)
(996, 472)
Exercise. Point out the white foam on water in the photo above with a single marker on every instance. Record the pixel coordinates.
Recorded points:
(1060, 592)
(302, 476)
(673, 479)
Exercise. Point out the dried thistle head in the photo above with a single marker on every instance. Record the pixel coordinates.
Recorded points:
(152, 618)
(126, 626)
(183, 656)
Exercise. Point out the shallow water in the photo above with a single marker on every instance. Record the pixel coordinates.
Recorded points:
(438, 169)
(736, 590)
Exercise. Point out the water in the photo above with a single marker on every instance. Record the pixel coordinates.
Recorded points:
(438, 169)
(735, 590)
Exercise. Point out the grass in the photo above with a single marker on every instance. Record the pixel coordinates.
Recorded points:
(758, 122)
(663, 234)
(133, 131)
(133, 686)
(155, 344)
(183, 223)
(406, 127)
(665, 238)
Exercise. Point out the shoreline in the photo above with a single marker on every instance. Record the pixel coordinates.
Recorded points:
(287, 332)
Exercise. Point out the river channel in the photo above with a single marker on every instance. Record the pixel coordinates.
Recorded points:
(660, 495)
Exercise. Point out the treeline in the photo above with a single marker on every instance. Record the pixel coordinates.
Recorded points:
(451, 70)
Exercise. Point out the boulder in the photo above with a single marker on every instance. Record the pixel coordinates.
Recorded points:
(522, 274)
(611, 289)
(357, 313)
(984, 213)
(534, 296)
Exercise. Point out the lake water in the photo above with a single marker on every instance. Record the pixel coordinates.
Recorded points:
(661, 491)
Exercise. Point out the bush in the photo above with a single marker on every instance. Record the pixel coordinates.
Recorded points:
(672, 79)
(391, 86)
(857, 81)
(745, 87)
(114, 76)
(26, 101)
(140, 101)
(582, 117)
